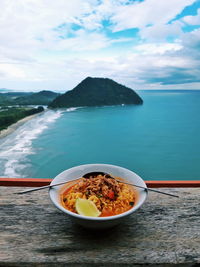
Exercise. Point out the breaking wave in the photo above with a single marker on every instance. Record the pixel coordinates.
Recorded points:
(15, 148)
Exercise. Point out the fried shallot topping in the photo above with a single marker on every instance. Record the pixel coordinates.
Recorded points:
(100, 186)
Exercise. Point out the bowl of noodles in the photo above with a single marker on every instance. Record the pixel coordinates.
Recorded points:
(98, 195)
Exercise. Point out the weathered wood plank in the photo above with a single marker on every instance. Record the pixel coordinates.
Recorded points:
(164, 231)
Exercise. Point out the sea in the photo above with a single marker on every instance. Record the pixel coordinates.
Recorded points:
(159, 140)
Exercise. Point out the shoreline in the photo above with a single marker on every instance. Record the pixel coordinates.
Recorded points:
(10, 129)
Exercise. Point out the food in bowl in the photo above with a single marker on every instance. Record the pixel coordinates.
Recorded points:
(99, 196)
(70, 175)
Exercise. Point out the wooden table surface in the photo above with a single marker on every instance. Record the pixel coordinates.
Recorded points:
(164, 232)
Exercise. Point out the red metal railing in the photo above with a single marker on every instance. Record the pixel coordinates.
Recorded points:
(34, 182)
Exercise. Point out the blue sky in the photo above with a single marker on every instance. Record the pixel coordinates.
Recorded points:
(150, 44)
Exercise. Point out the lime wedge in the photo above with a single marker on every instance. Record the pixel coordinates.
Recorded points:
(86, 207)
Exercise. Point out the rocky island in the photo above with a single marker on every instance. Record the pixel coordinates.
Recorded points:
(97, 92)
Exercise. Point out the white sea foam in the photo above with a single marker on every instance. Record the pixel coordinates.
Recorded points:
(15, 148)
(72, 109)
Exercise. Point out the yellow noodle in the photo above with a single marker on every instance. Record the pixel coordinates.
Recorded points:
(123, 201)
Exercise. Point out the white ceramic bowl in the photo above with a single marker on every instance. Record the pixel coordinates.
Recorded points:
(79, 171)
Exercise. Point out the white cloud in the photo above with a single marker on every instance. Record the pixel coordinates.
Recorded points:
(83, 41)
(149, 12)
(159, 32)
(11, 71)
(24, 23)
(158, 48)
(193, 20)
(40, 48)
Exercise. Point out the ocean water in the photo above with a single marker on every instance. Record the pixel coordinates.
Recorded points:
(159, 140)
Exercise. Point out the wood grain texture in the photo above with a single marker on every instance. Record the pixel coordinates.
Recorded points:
(164, 232)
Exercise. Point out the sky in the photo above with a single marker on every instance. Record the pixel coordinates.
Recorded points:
(54, 45)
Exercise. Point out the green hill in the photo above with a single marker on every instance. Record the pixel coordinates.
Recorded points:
(14, 95)
(97, 92)
(5, 100)
(8, 98)
(40, 98)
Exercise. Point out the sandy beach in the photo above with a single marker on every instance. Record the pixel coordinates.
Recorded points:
(16, 125)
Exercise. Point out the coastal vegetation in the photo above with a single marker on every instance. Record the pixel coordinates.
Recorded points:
(11, 115)
(97, 92)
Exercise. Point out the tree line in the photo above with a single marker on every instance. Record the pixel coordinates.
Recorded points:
(12, 115)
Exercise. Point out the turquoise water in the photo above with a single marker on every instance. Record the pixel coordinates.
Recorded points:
(158, 140)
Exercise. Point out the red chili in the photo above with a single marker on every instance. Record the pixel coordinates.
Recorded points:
(111, 194)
